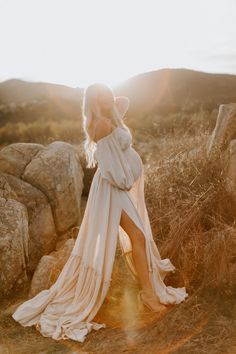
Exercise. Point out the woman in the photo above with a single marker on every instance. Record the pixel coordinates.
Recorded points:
(115, 210)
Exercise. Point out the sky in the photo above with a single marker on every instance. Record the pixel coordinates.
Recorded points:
(76, 43)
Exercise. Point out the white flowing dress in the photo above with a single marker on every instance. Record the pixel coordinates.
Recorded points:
(67, 308)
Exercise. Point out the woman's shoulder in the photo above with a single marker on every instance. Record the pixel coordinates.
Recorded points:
(119, 136)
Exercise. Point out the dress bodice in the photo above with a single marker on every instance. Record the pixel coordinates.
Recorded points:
(117, 159)
(121, 135)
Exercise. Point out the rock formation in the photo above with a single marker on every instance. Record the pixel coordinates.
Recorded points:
(14, 239)
(223, 138)
(40, 195)
(225, 129)
(50, 267)
(231, 169)
(42, 233)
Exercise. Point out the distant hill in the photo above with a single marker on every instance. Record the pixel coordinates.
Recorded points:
(171, 90)
(27, 102)
(20, 91)
(162, 91)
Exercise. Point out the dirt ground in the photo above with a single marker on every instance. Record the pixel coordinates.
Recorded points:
(201, 324)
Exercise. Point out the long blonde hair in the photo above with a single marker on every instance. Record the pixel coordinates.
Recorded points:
(98, 101)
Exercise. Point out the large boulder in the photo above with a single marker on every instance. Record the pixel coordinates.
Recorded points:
(40, 191)
(225, 129)
(14, 237)
(15, 157)
(56, 172)
(42, 233)
(50, 267)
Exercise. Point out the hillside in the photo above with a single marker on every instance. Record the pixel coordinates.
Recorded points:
(159, 100)
(19, 91)
(170, 90)
(161, 91)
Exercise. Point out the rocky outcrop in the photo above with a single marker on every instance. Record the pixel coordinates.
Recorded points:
(223, 139)
(14, 237)
(50, 267)
(42, 233)
(56, 172)
(15, 157)
(225, 129)
(40, 191)
(231, 169)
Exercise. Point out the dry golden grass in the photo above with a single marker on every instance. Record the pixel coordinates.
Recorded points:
(193, 215)
(41, 131)
(193, 222)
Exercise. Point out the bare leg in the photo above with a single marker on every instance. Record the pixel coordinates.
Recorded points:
(140, 260)
(138, 250)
